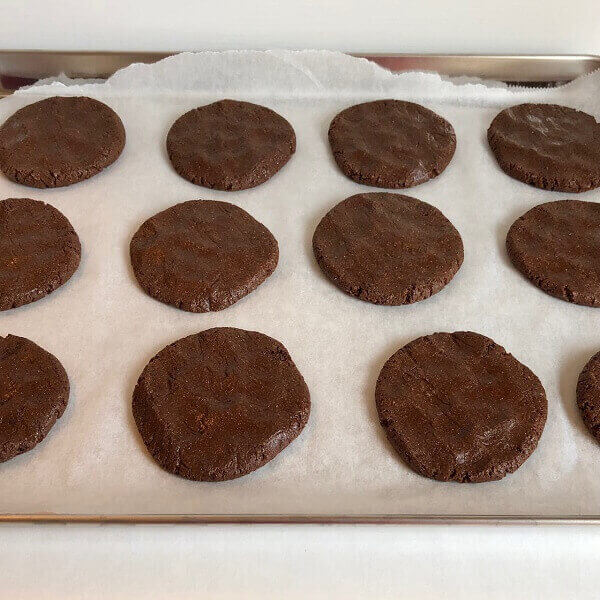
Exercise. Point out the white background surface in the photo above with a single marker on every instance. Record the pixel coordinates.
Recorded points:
(309, 562)
(509, 26)
(245, 562)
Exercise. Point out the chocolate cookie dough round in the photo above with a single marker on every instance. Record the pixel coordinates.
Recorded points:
(34, 391)
(556, 245)
(391, 143)
(387, 249)
(39, 251)
(59, 141)
(219, 404)
(547, 146)
(458, 407)
(230, 145)
(202, 255)
(588, 395)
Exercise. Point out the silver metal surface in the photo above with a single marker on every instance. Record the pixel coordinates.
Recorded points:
(23, 67)
(286, 519)
(19, 68)
(529, 69)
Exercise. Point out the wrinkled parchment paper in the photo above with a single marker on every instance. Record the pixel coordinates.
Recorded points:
(104, 329)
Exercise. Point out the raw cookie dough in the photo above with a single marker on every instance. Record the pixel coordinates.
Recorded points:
(202, 255)
(458, 407)
(219, 404)
(556, 245)
(39, 251)
(548, 146)
(230, 145)
(391, 143)
(59, 141)
(34, 391)
(588, 395)
(387, 249)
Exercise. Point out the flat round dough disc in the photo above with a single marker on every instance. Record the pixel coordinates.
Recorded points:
(59, 141)
(588, 395)
(548, 146)
(230, 145)
(391, 143)
(39, 251)
(202, 255)
(458, 407)
(34, 391)
(556, 245)
(387, 249)
(219, 404)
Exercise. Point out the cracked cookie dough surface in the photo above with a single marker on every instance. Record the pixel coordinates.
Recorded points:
(387, 248)
(39, 251)
(59, 141)
(202, 255)
(219, 404)
(556, 245)
(547, 146)
(391, 143)
(230, 145)
(34, 391)
(458, 407)
(588, 395)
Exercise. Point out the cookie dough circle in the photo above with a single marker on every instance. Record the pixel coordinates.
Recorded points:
(59, 141)
(458, 407)
(588, 395)
(391, 143)
(39, 251)
(202, 255)
(230, 145)
(219, 404)
(387, 249)
(548, 146)
(556, 245)
(34, 391)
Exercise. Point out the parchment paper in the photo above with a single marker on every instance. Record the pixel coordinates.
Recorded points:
(104, 329)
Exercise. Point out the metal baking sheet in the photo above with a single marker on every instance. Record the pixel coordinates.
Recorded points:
(23, 67)
(17, 68)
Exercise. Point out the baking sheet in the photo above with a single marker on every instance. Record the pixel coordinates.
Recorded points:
(104, 329)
